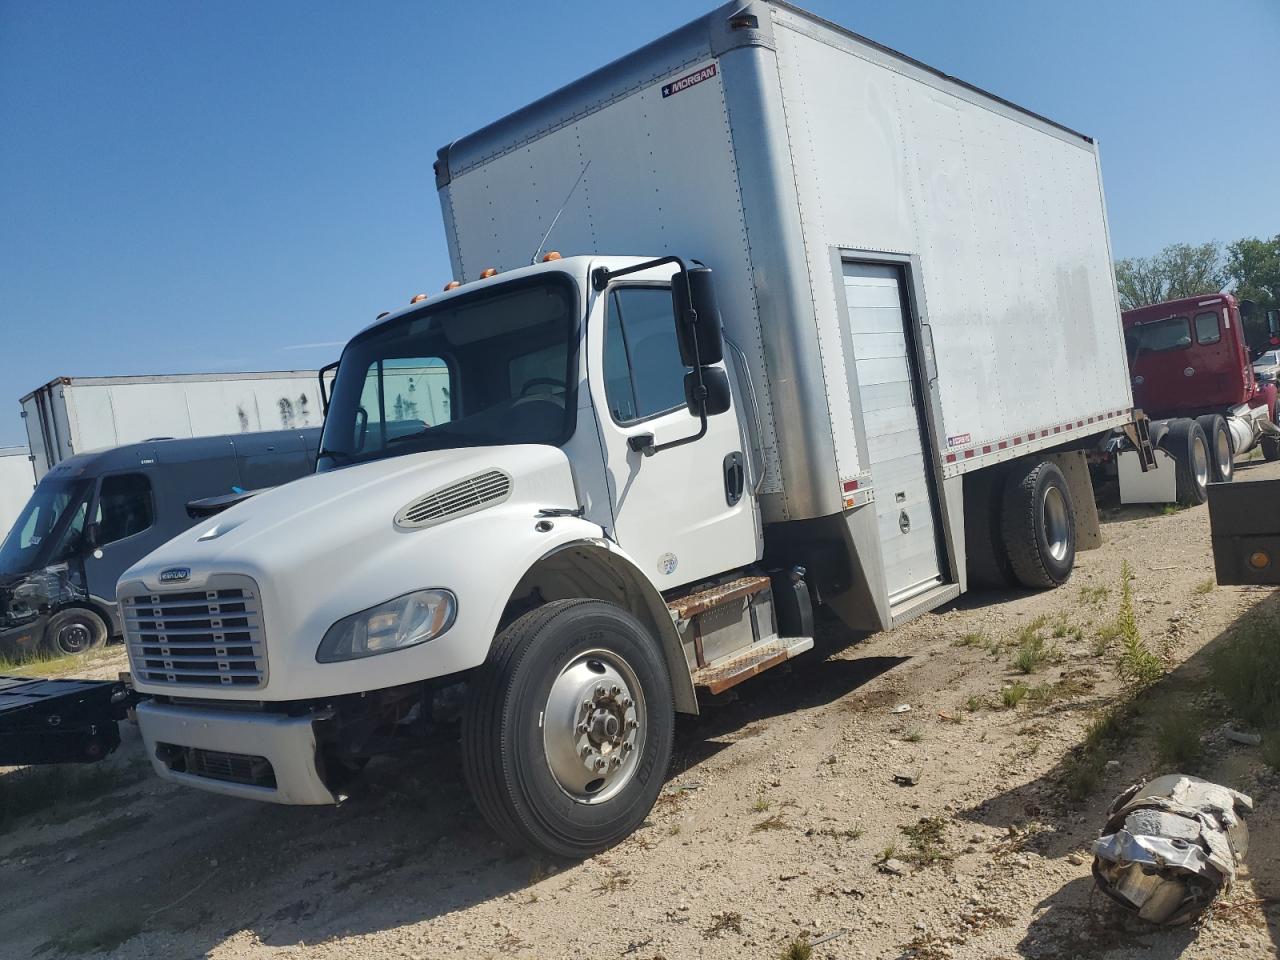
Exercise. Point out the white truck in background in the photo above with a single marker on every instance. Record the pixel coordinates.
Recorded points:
(921, 343)
(17, 480)
(71, 415)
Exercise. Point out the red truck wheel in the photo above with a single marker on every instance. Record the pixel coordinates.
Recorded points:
(1221, 450)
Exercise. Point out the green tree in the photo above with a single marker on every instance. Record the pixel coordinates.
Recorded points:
(1253, 267)
(1179, 270)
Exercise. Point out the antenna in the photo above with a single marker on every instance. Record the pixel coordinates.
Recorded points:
(556, 219)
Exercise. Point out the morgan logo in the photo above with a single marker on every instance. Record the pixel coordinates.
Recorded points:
(958, 441)
(692, 80)
(175, 575)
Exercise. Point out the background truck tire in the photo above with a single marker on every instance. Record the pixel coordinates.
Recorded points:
(1039, 524)
(1189, 447)
(75, 631)
(986, 559)
(1221, 447)
(1270, 448)
(547, 724)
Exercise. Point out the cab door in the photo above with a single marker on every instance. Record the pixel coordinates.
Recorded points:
(685, 513)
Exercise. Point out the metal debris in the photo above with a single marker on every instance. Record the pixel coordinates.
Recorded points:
(1171, 847)
(902, 708)
(907, 778)
(1240, 736)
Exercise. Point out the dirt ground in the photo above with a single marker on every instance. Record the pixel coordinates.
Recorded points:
(779, 809)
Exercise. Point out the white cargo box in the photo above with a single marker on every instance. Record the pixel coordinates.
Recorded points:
(832, 184)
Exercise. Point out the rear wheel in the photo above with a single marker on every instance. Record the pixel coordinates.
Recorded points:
(566, 737)
(1270, 448)
(1039, 524)
(1189, 447)
(76, 631)
(1221, 449)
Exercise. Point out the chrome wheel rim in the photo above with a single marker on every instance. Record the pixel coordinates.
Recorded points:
(1200, 461)
(1224, 455)
(594, 726)
(1057, 523)
(74, 637)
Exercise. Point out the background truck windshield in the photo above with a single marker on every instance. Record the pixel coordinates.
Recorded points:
(1173, 333)
(496, 367)
(49, 528)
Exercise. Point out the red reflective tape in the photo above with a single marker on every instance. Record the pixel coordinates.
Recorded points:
(968, 454)
(987, 448)
(1003, 444)
(1016, 441)
(951, 458)
(850, 485)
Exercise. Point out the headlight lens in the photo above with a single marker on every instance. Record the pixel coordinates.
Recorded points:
(403, 622)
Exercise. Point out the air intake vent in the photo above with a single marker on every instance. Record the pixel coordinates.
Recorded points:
(466, 496)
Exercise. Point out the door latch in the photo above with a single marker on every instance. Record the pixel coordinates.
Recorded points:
(735, 478)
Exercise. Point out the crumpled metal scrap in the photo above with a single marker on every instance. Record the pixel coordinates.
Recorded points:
(1171, 846)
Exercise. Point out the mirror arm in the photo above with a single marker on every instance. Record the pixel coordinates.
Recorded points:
(601, 276)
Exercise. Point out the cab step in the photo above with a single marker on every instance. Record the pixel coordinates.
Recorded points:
(688, 607)
(731, 671)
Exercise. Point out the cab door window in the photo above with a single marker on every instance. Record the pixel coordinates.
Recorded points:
(642, 370)
(125, 507)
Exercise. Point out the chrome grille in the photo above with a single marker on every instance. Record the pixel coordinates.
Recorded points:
(210, 637)
(465, 496)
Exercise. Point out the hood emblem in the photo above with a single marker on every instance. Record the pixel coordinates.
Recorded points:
(175, 575)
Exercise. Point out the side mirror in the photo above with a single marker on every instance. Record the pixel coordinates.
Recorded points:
(1247, 307)
(717, 394)
(91, 536)
(693, 296)
(1273, 323)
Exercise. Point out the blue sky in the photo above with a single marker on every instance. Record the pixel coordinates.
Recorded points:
(223, 186)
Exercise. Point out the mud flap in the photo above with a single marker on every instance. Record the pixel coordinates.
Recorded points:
(1075, 468)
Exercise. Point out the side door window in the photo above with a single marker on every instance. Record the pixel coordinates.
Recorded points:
(1208, 329)
(125, 507)
(642, 370)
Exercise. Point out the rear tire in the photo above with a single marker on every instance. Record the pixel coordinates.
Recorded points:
(1189, 447)
(75, 631)
(1222, 451)
(555, 764)
(1039, 524)
(1270, 448)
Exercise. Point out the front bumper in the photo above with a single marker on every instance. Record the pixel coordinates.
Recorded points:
(213, 750)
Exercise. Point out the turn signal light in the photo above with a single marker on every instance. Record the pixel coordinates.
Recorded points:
(550, 255)
(1259, 559)
(418, 298)
(451, 285)
(488, 272)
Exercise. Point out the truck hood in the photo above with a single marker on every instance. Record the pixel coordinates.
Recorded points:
(349, 509)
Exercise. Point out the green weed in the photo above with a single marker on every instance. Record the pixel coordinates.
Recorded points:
(1013, 694)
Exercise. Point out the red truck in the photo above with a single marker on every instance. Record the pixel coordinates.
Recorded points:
(1191, 371)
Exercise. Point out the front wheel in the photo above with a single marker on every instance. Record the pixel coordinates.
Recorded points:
(1270, 448)
(75, 631)
(567, 732)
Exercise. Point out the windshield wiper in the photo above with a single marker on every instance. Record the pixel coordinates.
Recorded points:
(462, 439)
(339, 455)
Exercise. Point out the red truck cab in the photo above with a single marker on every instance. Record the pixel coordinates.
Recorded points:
(1189, 357)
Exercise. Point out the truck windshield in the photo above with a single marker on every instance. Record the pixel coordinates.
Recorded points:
(496, 367)
(48, 529)
(1172, 333)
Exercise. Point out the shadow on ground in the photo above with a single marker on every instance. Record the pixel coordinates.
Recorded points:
(1078, 921)
(407, 847)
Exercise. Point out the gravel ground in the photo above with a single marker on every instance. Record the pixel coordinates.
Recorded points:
(774, 827)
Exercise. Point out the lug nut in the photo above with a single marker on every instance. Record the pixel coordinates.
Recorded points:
(587, 704)
(615, 690)
(632, 723)
(582, 728)
(586, 751)
(617, 761)
(601, 763)
(627, 703)
(628, 747)
(600, 690)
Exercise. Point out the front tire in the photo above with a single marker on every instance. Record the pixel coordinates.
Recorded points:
(1270, 448)
(1189, 447)
(1221, 448)
(567, 732)
(1039, 524)
(76, 631)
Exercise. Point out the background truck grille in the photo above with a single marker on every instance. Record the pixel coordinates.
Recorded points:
(210, 637)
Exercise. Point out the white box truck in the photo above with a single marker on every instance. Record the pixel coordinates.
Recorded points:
(71, 415)
(17, 480)
(921, 344)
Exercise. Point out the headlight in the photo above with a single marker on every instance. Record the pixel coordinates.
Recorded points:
(403, 622)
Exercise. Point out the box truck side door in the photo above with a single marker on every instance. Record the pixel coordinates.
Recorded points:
(890, 395)
(683, 514)
(126, 529)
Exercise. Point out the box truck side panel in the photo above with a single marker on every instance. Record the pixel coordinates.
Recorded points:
(1005, 215)
(41, 458)
(660, 178)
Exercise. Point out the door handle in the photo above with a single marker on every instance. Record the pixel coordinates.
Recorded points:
(641, 443)
(735, 478)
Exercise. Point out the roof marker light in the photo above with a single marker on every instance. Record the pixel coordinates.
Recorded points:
(488, 272)
(451, 285)
(418, 298)
(550, 255)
